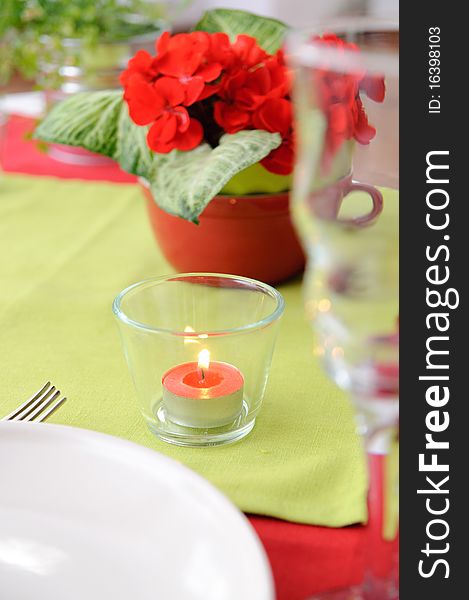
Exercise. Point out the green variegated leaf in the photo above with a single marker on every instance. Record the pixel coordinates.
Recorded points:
(268, 32)
(99, 122)
(88, 119)
(133, 153)
(183, 183)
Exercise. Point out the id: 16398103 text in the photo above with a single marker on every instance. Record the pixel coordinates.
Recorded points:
(434, 70)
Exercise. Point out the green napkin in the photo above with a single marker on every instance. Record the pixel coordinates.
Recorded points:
(67, 248)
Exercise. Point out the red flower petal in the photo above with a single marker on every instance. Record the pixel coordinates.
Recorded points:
(247, 51)
(154, 140)
(364, 132)
(232, 82)
(220, 50)
(331, 39)
(250, 88)
(164, 128)
(248, 100)
(182, 117)
(340, 101)
(280, 160)
(260, 80)
(191, 138)
(373, 87)
(182, 53)
(170, 90)
(145, 103)
(274, 115)
(209, 90)
(141, 63)
(161, 44)
(231, 118)
(200, 39)
(186, 140)
(209, 72)
(179, 62)
(340, 120)
(193, 88)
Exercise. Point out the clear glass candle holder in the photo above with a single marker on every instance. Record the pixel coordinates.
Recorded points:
(199, 348)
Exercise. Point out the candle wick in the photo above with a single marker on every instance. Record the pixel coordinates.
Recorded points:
(203, 374)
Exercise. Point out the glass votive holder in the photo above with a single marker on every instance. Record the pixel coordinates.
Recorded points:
(199, 348)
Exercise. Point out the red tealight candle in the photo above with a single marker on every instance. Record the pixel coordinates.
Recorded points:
(203, 394)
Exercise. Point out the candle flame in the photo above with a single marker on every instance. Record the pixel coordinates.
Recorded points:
(204, 359)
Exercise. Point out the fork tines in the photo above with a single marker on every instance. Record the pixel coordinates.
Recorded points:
(40, 406)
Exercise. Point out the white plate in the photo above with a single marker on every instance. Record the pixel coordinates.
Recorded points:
(88, 516)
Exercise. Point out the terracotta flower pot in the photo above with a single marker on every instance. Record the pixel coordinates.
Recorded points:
(251, 236)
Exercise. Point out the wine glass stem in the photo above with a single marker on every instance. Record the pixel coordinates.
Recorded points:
(381, 542)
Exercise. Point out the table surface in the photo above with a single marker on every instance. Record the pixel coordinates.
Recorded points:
(305, 559)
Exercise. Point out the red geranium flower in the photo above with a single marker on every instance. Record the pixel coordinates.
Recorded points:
(247, 85)
(247, 52)
(141, 66)
(230, 117)
(160, 103)
(200, 85)
(220, 50)
(276, 116)
(185, 57)
(374, 87)
(175, 131)
(339, 97)
(271, 80)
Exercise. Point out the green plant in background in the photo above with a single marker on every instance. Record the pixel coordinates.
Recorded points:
(25, 23)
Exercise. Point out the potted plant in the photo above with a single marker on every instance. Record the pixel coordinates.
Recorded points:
(206, 123)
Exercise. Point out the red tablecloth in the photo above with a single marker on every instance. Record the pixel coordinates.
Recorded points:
(304, 559)
(20, 154)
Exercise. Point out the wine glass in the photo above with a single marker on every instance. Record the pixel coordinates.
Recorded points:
(346, 210)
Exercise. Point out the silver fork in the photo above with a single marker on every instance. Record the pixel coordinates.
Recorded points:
(40, 406)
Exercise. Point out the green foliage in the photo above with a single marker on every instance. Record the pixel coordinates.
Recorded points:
(24, 23)
(99, 122)
(88, 119)
(268, 32)
(183, 183)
